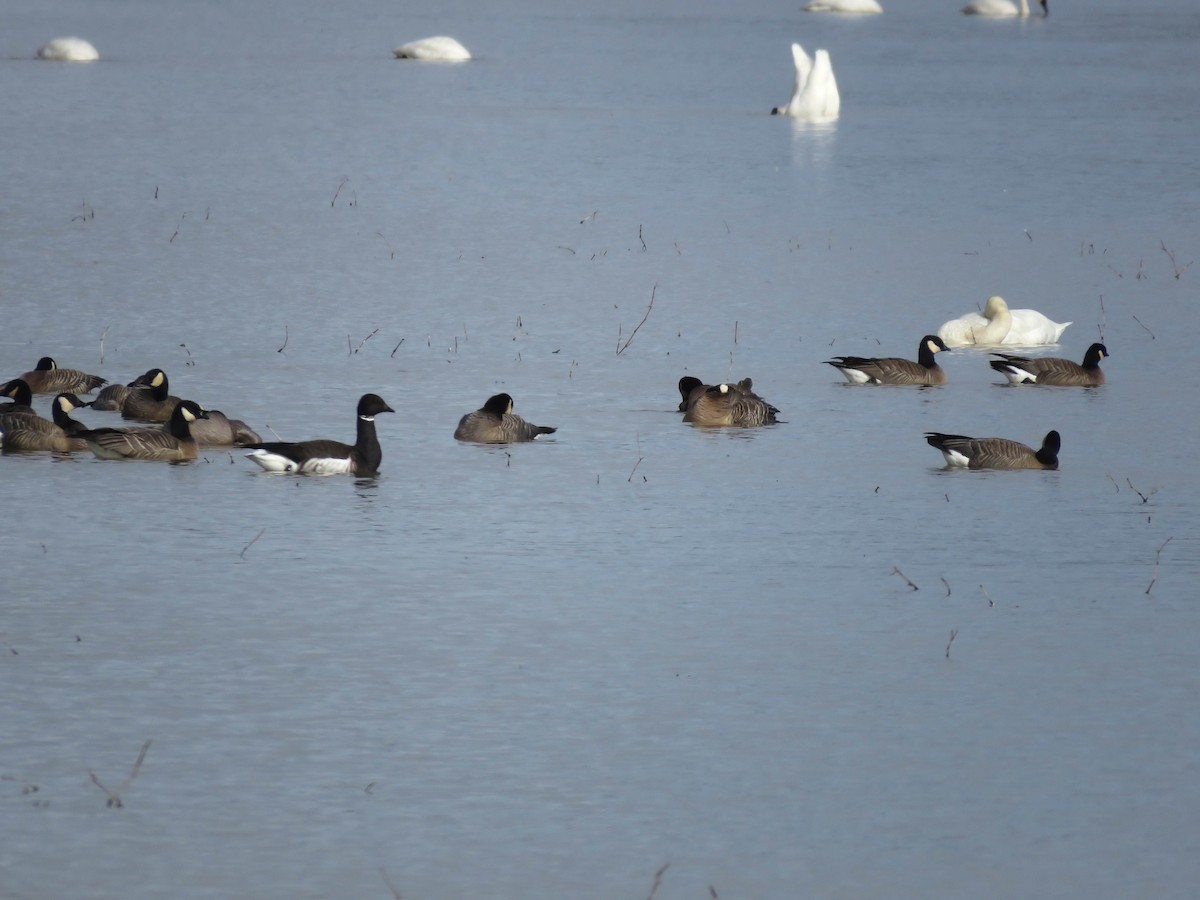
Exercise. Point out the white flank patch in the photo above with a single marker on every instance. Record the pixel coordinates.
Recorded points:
(855, 376)
(326, 466)
(272, 462)
(1017, 375)
(954, 458)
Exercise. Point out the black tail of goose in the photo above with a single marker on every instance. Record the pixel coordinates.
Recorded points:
(326, 457)
(495, 423)
(730, 405)
(1052, 370)
(894, 369)
(29, 433)
(995, 453)
(47, 378)
(173, 444)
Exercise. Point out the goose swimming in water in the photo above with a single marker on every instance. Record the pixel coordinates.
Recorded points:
(895, 369)
(495, 423)
(1001, 325)
(439, 47)
(815, 96)
(965, 452)
(326, 457)
(1052, 370)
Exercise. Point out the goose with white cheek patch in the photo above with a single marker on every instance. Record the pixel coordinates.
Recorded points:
(1053, 370)
(894, 369)
(22, 398)
(27, 433)
(730, 405)
(175, 444)
(495, 423)
(326, 457)
(965, 452)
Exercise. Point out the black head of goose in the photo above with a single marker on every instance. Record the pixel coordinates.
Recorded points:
(495, 423)
(149, 398)
(36, 433)
(692, 388)
(1053, 370)
(895, 369)
(325, 457)
(172, 444)
(730, 405)
(961, 451)
(47, 378)
(22, 398)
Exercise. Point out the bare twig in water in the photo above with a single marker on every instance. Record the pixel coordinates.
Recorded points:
(907, 580)
(285, 339)
(1148, 331)
(589, 218)
(1116, 487)
(622, 348)
(1157, 556)
(114, 797)
(341, 185)
(1028, 235)
(986, 594)
(363, 341)
(947, 584)
(735, 328)
(274, 432)
(252, 540)
(176, 234)
(1145, 497)
(190, 360)
(953, 635)
(103, 334)
(1175, 270)
(1103, 319)
(657, 881)
(391, 252)
(642, 239)
(397, 347)
(391, 887)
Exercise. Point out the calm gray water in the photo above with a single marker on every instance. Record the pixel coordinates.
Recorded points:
(549, 670)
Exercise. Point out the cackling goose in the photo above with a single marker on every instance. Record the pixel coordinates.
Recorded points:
(1053, 370)
(494, 423)
(23, 432)
(733, 405)
(47, 378)
(994, 452)
(893, 369)
(171, 445)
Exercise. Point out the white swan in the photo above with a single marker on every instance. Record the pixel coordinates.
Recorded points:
(440, 47)
(68, 49)
(1002, 9)
(1001, 325)
(843, 6)
(815, 95)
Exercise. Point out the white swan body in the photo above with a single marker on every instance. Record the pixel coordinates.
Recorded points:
(1001, 9)
(815, 96)
(440, 47)
(1000, 325)
(68, 49)
(844, 6)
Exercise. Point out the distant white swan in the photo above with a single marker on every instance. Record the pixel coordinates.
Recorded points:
(1001, 325)
(68, 49)
(843, 6)
(815, 95)
(446, 48)
(1002, 9)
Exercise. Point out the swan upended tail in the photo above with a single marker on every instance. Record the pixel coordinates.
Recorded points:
(815, 95)
(1002, 9)
(68, 49)
(843, 6)
(439, 47)
(1001, 325)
